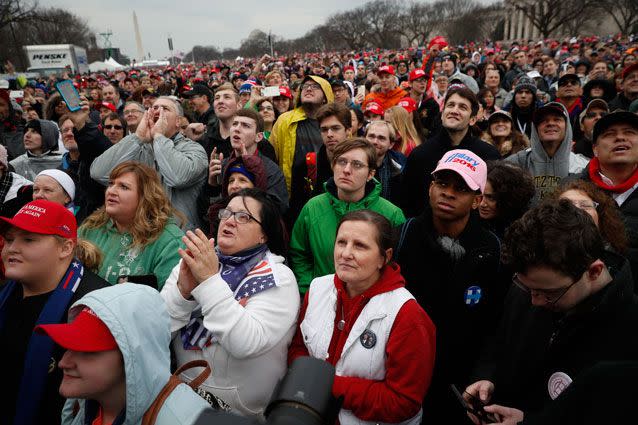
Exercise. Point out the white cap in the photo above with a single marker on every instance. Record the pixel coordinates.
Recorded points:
(63, 179)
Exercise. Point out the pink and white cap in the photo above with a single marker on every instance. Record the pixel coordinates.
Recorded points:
(466, 164)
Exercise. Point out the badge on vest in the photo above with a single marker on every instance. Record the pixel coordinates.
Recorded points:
(473, 295)
(368, 339)
(557, 384)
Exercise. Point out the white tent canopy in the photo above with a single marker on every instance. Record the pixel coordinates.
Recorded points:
(114, 63)
(100, 66)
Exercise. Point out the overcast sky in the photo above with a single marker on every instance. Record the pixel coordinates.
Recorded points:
(189, 22)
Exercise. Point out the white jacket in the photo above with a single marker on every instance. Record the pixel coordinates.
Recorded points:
(375, 321)
(251, 351)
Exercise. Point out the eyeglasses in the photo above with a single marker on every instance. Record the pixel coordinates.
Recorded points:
(311, 87)
(133, 112)
(585, 205)
(551, 296)
(343, 163)
(333, 128)
(110, 127)
(241, 217)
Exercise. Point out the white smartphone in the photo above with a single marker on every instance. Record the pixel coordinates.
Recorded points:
(270, 91)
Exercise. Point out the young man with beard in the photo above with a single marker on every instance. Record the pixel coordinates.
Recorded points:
(390, 92)
(246, 132)
(295, 135)
(181, 164)
(451, 266)
(550, 159)
(44, 279)
(459, 114)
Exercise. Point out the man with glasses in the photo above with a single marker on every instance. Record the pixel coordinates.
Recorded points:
(569, 94)
(571, 306)
(296, 139)
(451, 266)
(596, 109)
(133, 113)
(335, 125)
(629, 91)
(113, 127)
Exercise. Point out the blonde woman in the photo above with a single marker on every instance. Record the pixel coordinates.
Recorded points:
(134, 229)
(407, 136)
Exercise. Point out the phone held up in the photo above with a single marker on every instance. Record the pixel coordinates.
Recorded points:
(474, 406)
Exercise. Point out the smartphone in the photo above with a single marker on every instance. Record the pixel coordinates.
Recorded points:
(16, 94)
(218, 177)
(69, 94)
(270, 91)
(474, 406)
(361, 89)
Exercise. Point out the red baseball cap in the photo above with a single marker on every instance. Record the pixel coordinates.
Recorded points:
(87, 333)
(109, 105)
(348, 68)
(415, 74)
(285, 91)
(408, 104)
(374, 107)
(45, 218)
(388, 69)
(628, 70)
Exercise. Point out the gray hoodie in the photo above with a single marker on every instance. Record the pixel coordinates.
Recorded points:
(548, 172)
(29, 165)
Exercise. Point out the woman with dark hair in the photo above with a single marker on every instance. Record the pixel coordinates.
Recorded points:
(508, 192)
(501, 134)
(363, 321)
(602, 210)
(358, 122)
(54, 108)
(487, 97)
(234, 303)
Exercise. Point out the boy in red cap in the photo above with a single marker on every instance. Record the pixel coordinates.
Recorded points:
(44, 279)
(117, 364)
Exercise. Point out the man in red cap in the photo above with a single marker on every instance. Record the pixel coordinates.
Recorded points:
(436, 44)
(629, 91)
(390, 93)
(44, 279)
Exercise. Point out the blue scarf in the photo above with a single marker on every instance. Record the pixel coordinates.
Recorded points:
(40, 348)
(247, 274)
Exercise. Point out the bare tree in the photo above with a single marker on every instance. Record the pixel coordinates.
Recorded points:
(418, 20)
(350, 27)
(16, 11)
(550, 15)
(382, 17)
(55, 26)
(623, 12)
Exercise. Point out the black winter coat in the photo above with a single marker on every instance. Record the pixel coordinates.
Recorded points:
(448, 290)
(534, 343)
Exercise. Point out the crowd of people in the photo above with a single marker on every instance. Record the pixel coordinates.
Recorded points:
(451, 215)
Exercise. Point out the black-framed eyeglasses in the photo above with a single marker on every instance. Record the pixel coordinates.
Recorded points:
(551, 296)
(241, 217)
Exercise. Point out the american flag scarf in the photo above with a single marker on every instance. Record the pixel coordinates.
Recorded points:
(247, 273)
